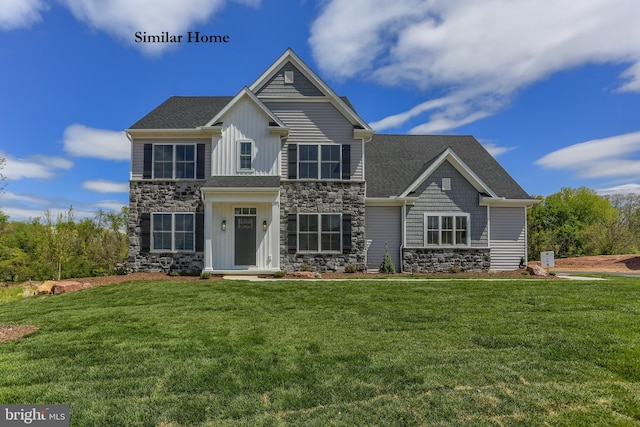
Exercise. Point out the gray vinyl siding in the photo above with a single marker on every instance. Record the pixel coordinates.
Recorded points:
(508, 237)
(300, 87)
(317, 123)
(137, 154)
(462, 197)
(383, 226)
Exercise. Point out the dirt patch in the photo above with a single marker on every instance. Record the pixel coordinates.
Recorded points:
(600, 263)
(13, 332)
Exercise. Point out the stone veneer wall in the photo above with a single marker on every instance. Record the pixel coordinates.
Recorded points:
(156, 197)
(424, 260)
(323, 197)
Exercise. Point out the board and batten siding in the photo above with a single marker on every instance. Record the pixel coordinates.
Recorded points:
(317, 123)
(462, 198)
(508, 237)
(137, 154)
(245, 121)
(383, 226)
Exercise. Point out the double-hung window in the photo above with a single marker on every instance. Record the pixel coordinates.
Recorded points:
(174, 161)
(446, 229)
(173, 232)
(319, 161)
(319, 233)
(245, 155)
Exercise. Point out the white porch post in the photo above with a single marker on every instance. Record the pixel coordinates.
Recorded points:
(208, 237)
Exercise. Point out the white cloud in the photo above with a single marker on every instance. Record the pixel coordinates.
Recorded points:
(123, 18)
(36, 167)
(479, 52)
(496, 150)
(620, 189)
(598, 158)
(20, 13)
(21, 198)
(104, 186)
(83, 141)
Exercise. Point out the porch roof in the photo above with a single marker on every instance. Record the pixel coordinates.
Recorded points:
(248, 182)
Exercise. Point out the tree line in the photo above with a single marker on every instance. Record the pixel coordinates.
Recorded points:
(61, 246)
(579, 222)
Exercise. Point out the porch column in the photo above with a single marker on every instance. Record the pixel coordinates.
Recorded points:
(208, 237)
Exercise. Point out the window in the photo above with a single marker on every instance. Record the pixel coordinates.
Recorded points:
(245, 155)
(319, 232)
(308, 162)
(174, 161)
(447, 230)
(173, 232)
(319, 161)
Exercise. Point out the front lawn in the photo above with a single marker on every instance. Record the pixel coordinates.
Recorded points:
(504, 352)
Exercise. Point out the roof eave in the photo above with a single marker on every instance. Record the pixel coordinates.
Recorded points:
(164, 133)
(505, 202)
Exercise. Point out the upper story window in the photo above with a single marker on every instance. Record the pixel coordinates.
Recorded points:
(174, 161)
(446, 230)
(319, 232)
(245, 155)
(319, 161)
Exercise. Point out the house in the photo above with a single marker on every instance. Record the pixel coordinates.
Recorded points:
(286, 173)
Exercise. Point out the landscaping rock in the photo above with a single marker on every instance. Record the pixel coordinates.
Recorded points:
(536, 270)
(304, 274)
(66, 286)
(46, 287)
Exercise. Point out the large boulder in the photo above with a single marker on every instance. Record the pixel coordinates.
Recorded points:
(536, 270)
(67, 286)
(304, 274)
(46, 287)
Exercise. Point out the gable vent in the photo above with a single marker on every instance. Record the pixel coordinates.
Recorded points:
(288, 77)
(446, 184)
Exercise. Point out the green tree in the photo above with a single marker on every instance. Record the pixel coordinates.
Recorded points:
(58, 239)
(571, 223)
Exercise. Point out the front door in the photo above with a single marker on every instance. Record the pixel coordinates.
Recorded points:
(245, 235)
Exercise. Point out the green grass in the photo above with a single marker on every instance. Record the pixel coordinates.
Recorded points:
(11, 293)
(508, 352)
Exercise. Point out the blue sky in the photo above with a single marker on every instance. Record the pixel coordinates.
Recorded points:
(551, 87)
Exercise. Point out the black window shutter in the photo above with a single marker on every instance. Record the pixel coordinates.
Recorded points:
(145, 232)
(346, 233)
(148, 161)
(346, 161)
(199, 231)
(293, 161)
(292, 233)
(200, 156)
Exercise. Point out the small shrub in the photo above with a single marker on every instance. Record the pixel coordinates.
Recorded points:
(174, 273)
(317, 275)
(552, 273)
(350, 268)
(306, 267)
(387, 266)
(279, 274)
(205, 276)
(525, 273)
(122, 269)
(523, 263)
(98, 272)
(454, 269)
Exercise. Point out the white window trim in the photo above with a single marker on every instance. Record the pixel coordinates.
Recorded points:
(173, 232)
(319, 163)
(319, 251)
(174, 161)
(467, 244)
(239, 154)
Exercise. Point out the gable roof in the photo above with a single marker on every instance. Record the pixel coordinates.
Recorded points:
(245, 93)
(183, 112)
(290, 59)
(396, 162)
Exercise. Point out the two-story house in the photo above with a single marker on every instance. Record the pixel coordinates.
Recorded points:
(286, 173)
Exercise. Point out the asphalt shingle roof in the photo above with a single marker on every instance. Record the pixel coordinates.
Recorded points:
(393, 162)
(251, 181)
(183, 112)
